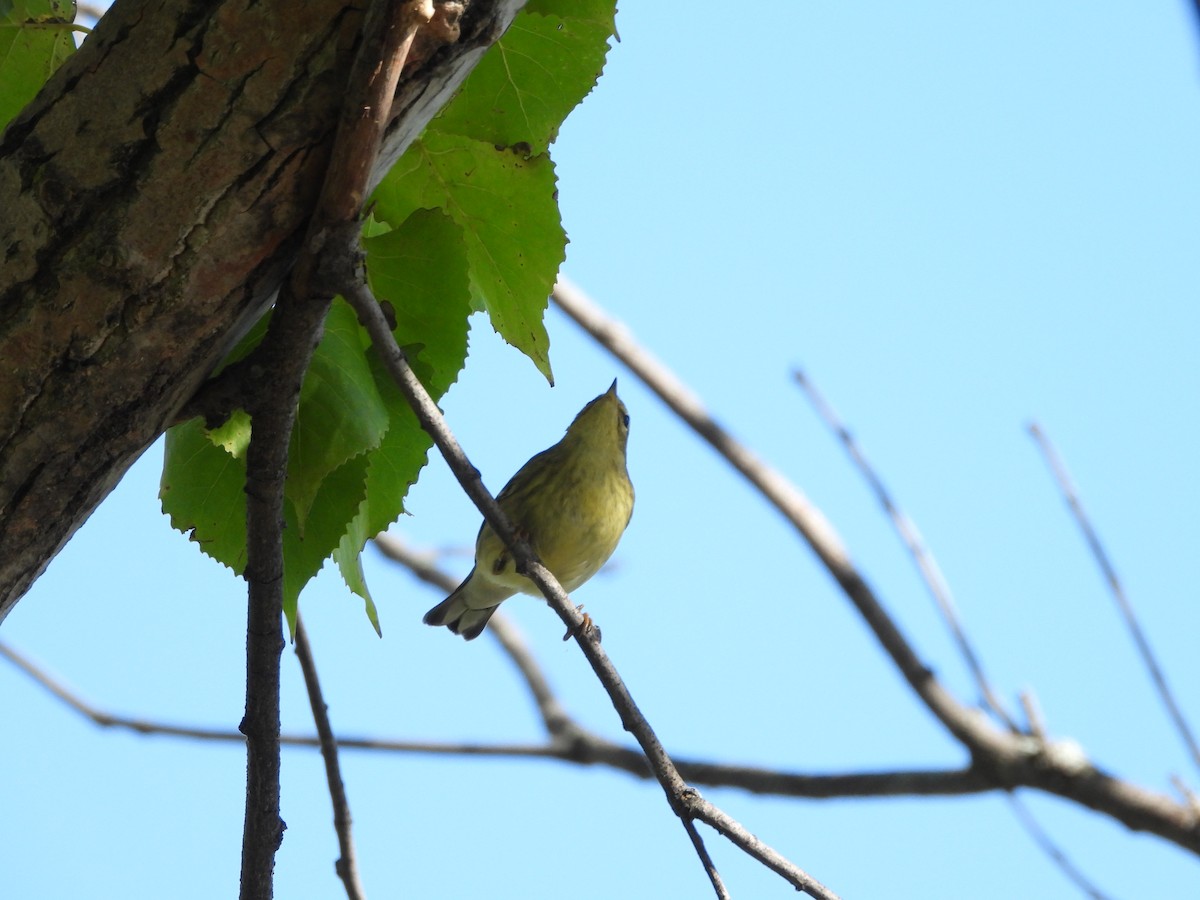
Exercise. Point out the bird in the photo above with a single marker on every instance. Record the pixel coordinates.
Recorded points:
(571, 502)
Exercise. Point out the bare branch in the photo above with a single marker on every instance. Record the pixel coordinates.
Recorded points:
(347, 864)
(906, 528)
(761, 781)
(710, 867)
(587, 749)
(266, 468)
(939, 589)
(740, 837)
(1071, 495)
(1010, 760)
(684, 801)
(788, 500)
(293, 333)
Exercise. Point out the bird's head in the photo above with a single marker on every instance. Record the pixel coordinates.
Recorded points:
(603, 422)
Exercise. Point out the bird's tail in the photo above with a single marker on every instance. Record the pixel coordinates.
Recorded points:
(461, 616)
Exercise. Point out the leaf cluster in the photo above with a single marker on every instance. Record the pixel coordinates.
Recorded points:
(467, 220)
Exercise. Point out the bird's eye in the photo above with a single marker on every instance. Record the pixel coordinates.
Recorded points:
(625, 419)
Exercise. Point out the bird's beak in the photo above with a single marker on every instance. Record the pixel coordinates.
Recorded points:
(613, 390)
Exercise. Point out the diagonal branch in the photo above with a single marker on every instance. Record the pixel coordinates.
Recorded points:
(795, 507)
(1063, 478)
(906, 528)
(1009, 760)
(939, 589)
(684, 801)
(1046, 844)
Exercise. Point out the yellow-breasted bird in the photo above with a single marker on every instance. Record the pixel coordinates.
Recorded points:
(571, 502)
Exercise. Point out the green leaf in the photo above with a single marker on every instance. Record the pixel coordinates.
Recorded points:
(505, 205)
(525, 85)
(394, 466)
(341, 414)
(420, 269)
(348, 557)
(234, 436)
(483, 160)
(358, 446)
(338, 500)
(203, 490)
(602, 12)
(341, 417)
(35, 37)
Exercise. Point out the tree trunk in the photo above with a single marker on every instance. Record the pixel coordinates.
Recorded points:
(153, 195)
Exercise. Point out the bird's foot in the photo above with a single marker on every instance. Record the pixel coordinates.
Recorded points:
(587, 626)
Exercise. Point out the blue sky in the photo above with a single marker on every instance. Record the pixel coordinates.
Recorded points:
(956, 219)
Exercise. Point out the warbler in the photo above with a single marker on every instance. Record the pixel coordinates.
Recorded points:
(572, 503)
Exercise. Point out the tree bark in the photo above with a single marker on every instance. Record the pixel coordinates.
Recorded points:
(153, 197)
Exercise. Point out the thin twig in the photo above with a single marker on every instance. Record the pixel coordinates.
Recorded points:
(347, 864)
(1035, 725)
(1063, 478)
(939, 589)
(1035, 722)
(1185, 791)
(1047, 845)
(906, 528)
(589, 751)
(684, 801)
(557, 722)
(706, 860)
(1010, 759)
(733, 830)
